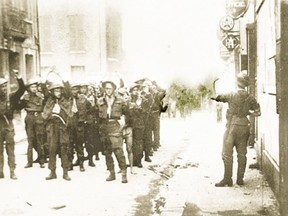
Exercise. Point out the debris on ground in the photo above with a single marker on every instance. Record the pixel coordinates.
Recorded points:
(59, 207)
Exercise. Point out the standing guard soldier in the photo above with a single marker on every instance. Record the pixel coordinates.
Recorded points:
(56, 112)
(240, 105)
(80, 108)
(111, 108)
(33, 102)
(7, 106)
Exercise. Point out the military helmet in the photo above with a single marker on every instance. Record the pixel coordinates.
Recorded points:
(3, 81)
(122, 91)
(32, 81)
(75, 85)
(114, 79)
(108, 81)
(242, 80)
(134, 85)
(52, 86)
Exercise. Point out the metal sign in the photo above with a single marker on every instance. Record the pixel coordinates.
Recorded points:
(224, 53)
(221, 34)
(226, 23)
(230, 42)
(236, 8)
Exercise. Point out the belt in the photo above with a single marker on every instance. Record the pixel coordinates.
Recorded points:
(35, 113)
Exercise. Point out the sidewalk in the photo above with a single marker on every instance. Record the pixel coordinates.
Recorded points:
(192, 192)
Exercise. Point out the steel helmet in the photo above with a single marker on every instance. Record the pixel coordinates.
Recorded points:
(74, 85)
(134, 85)
(32, 81)
(242, 80)
(114, 79)
(122, 91)
(3, 81)
(52, 86)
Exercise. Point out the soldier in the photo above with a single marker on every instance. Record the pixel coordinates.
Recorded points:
(33, 102)
(138, 106)
(111, 108)
(7, 106)
(127, 129)
(148, 141)
(80, 109)
(241, 104)
(157, 108)
(91, 130)
(56, 113)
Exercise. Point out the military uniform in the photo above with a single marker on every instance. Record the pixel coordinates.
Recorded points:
(111, 133)
(157, 108)
(7, 107)
(92, 131)
(56, 113)
(139, 108)
(237, 133)
(34, 125)
(77, 126)
(148, 123)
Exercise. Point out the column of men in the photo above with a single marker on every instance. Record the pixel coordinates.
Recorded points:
(65, 118)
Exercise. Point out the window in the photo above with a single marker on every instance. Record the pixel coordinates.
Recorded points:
(45, 33)
(77, 72)
(76, 32)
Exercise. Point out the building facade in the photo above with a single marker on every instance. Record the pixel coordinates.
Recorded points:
(19, 40)
(79, 39)
(264, 41)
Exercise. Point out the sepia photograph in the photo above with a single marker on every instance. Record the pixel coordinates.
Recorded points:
(143, 107)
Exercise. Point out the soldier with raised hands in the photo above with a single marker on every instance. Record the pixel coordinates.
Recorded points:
(56, 112)
(8, 104)
(111, 108)
(33, 103)
(77, 123)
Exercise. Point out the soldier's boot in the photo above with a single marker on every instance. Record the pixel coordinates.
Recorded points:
(65, 175)
(97, 156)
(12, 175)
(52, 175)
(111, 176)
(91, 163)
(240, 174)
(28, 165)
(227, 180)
(82, 169)
(124, 176)
(147, 157)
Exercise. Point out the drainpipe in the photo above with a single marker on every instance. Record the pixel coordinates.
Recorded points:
(283, 114)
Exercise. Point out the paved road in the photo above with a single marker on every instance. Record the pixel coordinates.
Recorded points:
(183, 170)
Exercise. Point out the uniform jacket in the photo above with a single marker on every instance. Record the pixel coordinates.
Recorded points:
(239, 104)
(7, 107)
(119, 108)
(138, 112)
(83, 106)
(65, 110)
(92, 114)
(33, 102)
